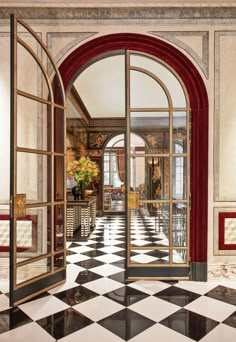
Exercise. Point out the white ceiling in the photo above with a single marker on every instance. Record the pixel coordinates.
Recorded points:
(102, 87)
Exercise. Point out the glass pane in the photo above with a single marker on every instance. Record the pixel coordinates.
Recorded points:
(150, 225)
(156, 135)
(59, 261)
(33, 233)
(29, 39)
(179, 177)
(59, 178)
(179, 132)
(59, 227)
(145, 256)
(179, 256)
(164, 74)
(33, 124)
(30, 77)
(59, 130)
(179, 227)
(32, 270)
(150, 176)
(34, 177)
(145, 92)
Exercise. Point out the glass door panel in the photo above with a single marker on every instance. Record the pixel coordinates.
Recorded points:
(37, 248)
(157, 171)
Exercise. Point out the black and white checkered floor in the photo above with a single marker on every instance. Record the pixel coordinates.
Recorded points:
(95, 304)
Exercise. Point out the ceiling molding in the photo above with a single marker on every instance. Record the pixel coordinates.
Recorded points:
(132, 12)
(78, 103)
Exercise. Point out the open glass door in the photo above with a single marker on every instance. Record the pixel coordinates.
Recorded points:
(157, 109)
(37, 233)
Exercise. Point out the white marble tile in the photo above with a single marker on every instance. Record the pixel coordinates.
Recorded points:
(4, 303)
(43, 307)
(76, 258)
(162, 333)
(196, 286)
(108, 258)
(81, 249)
(211, 308)
(110, 249)
(148, 286)
(105, 270)
(222, 333)
(85, 243)
(93, 332)
(143, 258)
(4, 286)
(154, 308)
(72, 272)
(28, 332)
(98, 308)
(103, 285)
(66, 286)
(140, 242)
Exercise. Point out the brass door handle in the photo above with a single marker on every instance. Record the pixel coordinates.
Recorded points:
(133, 199)
(20, 205)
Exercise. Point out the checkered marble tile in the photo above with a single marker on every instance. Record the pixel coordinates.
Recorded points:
(96, 296)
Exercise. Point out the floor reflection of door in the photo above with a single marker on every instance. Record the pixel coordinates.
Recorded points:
(158, 226)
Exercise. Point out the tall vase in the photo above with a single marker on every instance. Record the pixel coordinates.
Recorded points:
(76, 191)
(82, 190)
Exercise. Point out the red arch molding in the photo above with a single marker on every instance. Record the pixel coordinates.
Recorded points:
(199, 107)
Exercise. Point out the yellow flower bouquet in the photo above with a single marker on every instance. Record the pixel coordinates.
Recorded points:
(83, 170)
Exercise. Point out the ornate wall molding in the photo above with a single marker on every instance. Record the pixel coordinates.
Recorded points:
(203, 61)
(128, 13)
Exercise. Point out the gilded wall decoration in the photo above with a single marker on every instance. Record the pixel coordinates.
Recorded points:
(97, 140)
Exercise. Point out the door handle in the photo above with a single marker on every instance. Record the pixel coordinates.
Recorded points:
(20, 205)
(133, 199)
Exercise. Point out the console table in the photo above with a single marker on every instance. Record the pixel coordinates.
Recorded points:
(81, 214)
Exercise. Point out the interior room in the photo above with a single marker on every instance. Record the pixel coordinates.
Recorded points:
(117, 186)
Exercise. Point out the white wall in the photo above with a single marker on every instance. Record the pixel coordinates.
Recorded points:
(4, 117)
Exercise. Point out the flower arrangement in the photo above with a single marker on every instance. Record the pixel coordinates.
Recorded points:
(83, 170)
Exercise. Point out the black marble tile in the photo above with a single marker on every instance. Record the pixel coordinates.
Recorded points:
(126, 323)
(68, 252)
(64, 323)
(223, 293)
(89, 263)
(73, 245)
(97, 245)
(12, 318)
(120, 263)
(170, 282)
(177, 296)
(75, 295)
(157, 253)
(190, 324)
(120, 277)
(86, 276)
(122, 245)
(93, 254)
(126, 295)
(231, 320)
(121, 253)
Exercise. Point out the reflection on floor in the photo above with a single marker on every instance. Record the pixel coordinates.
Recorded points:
(95, 303)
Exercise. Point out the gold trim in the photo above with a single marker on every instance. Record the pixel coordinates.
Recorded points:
(39, 292)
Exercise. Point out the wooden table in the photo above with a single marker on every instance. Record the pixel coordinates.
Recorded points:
(81, 214)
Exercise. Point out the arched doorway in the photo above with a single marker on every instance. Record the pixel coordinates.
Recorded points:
(199, 122)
